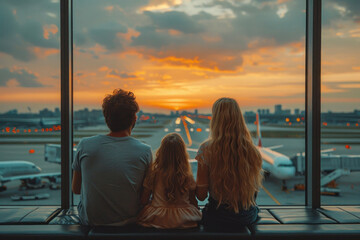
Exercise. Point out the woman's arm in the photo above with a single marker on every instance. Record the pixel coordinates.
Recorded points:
(76, 182)
(202, 181)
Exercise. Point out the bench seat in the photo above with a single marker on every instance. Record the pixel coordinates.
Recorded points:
(274, 223)
(307, 231)
(137, 232)
(42, 232)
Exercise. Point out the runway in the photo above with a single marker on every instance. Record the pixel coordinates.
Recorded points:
(193, 133)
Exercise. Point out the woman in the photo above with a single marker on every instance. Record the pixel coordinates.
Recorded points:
(229, 168)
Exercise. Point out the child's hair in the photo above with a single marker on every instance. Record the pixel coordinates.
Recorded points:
(234, 161)
(171, 166)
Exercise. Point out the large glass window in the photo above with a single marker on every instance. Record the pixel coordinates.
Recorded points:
(178, 57)
(29, 102)
(340, 131)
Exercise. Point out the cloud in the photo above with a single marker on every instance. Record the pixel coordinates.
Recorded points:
(121, 75)
(17, 38)
(335, 11)
(349, 8)
(160, 5)
(106, 35)
(23, 77)
(175, 20)
(219, 44)
(152, 39)
(50, 29)
(282, 11)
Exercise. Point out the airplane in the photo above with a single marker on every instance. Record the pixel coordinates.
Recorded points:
(274, 163)
(27, 172)
(37, 122)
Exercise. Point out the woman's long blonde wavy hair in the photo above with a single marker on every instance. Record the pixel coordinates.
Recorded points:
(171, 166)
(233, 159)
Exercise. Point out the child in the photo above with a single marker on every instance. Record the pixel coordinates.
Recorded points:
(171, 183)
(229, 169)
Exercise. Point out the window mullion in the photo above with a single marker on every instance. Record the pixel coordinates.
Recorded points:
(66, 106)
(313, 104)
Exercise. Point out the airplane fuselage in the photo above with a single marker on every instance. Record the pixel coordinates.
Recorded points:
(17, 168)
(277, 164)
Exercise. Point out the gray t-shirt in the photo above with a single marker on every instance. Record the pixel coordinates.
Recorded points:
(112, 171)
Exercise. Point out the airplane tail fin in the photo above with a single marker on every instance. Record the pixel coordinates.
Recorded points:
(258, 129)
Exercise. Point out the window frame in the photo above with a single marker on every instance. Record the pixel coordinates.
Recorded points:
(312, 105)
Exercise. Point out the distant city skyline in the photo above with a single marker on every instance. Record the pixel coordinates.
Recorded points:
(270, 110)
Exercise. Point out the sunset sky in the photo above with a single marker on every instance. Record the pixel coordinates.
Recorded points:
(178, 54)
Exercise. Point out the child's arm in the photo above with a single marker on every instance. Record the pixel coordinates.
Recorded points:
(192, 198)
(145, 196)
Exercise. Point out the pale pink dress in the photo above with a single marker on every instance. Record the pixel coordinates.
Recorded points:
(161, 214)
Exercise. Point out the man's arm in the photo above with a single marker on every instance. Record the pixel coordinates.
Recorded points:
(76, 182)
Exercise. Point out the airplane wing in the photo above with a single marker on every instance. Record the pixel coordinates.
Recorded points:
(30, 176)
(267, 158)
(275, 147)
(327, 150)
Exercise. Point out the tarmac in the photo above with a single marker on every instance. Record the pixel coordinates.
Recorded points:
(193, 134)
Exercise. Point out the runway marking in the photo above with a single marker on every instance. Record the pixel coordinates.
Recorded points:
(189, 120)
(271, 196)
(177, 121)
(187, 132)
(192, 149)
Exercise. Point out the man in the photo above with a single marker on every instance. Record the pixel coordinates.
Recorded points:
(109, 169)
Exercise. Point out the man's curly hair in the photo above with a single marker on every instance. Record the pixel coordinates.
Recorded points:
(119, 109)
